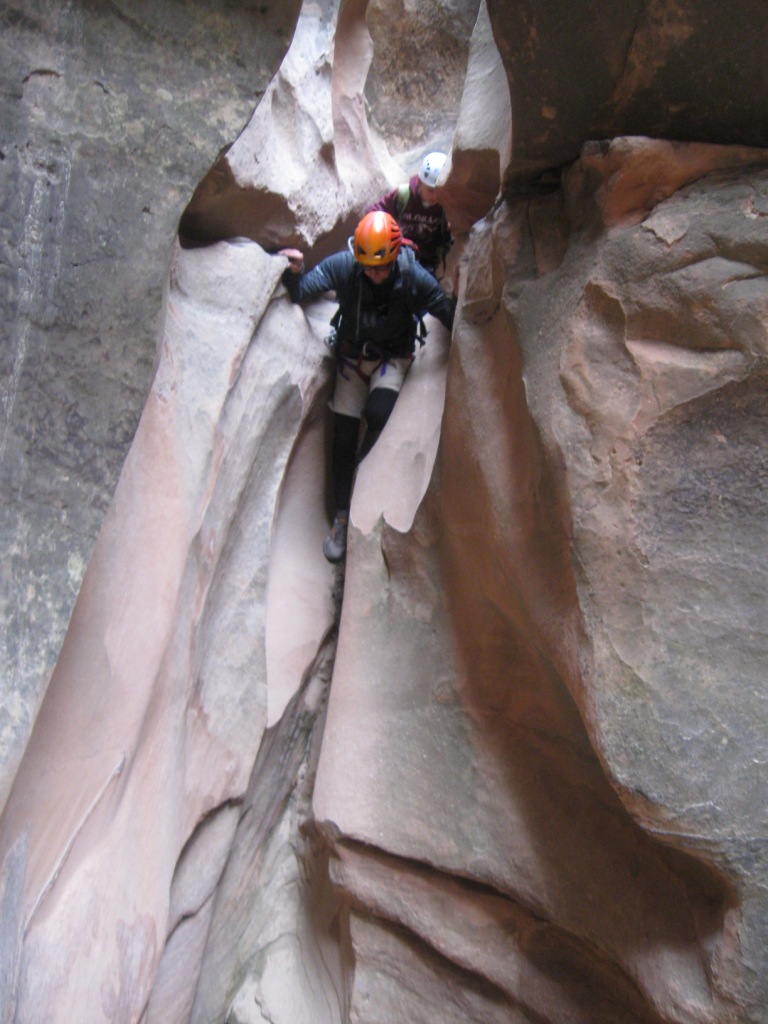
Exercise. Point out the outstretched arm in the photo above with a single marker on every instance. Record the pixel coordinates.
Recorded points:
(329, 274)
(432, 297)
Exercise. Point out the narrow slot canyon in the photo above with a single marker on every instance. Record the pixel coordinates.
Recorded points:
(505, 762)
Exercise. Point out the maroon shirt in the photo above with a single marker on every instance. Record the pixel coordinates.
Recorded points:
(425, 226)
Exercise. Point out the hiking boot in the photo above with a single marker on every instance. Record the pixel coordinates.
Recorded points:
(335, 544)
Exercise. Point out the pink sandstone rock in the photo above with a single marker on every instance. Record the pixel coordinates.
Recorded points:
(522, 776)
(156, 710)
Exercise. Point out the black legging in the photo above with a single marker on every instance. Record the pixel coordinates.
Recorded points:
(346, 429)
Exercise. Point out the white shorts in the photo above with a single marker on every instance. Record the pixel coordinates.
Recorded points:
(356, 378)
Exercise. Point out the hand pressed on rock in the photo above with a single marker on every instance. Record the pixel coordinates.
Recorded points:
(295, 259)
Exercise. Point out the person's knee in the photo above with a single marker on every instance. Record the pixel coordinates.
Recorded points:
(378, 408)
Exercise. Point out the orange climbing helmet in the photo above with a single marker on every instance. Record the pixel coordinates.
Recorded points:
(377, 239)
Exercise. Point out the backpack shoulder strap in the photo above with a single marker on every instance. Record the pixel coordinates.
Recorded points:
(403, 195)
(406, 261)
(348, 298)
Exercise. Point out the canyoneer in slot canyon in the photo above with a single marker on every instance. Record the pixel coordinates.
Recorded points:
(382, 293)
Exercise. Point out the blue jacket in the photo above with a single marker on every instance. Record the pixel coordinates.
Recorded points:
(384, 317)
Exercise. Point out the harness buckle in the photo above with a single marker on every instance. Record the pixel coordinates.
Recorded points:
(371, 351)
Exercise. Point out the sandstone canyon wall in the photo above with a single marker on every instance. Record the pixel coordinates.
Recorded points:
(111, 113)
(508, 765)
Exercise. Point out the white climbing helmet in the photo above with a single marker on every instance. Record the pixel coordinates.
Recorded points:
(431, 166)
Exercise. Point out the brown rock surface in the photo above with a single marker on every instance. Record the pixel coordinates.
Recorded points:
(677, 70)
(518, 773)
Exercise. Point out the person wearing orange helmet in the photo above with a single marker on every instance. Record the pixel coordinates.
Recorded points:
(382, 293)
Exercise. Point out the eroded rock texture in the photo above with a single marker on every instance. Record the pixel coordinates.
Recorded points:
(507, 766)
(111, 112)
(678, 70)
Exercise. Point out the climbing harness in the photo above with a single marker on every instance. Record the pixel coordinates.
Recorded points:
(370, 354)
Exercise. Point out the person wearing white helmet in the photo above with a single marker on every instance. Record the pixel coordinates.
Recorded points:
(431, 166)
(422, 219)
